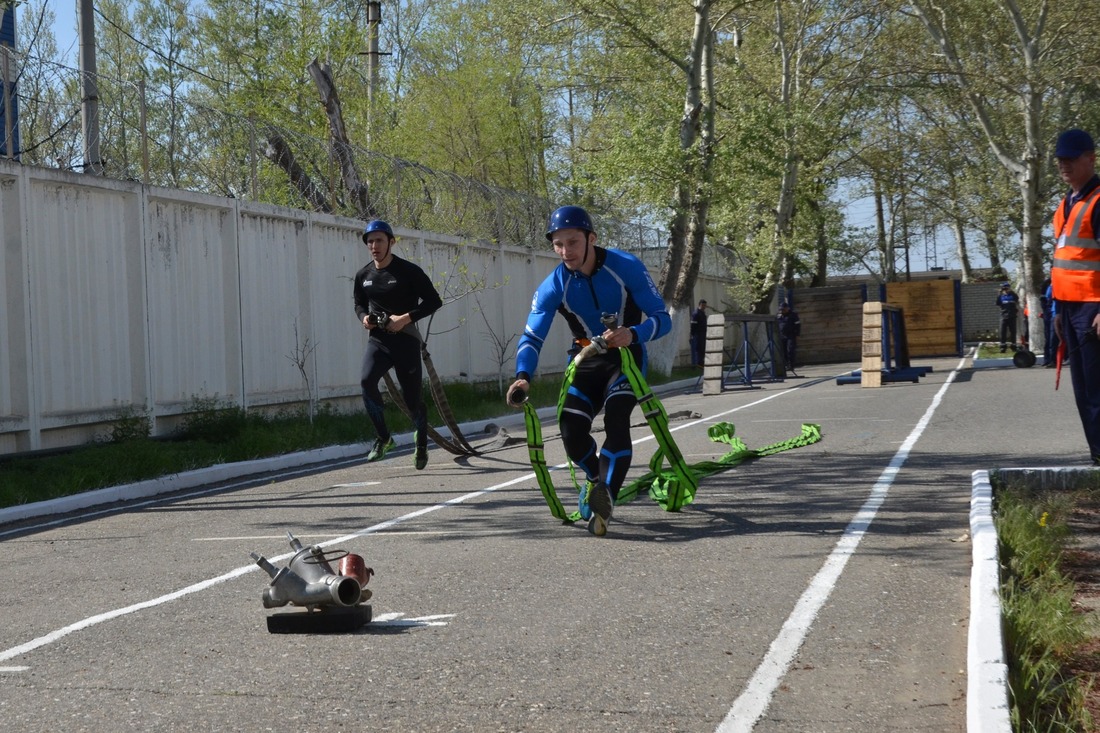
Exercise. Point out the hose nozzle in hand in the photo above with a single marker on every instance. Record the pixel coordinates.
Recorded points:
(595, 347)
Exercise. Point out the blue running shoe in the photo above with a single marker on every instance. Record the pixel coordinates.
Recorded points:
(582, 501)
(601, 503)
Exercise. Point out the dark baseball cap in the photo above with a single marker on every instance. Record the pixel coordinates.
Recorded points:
(1073, 143)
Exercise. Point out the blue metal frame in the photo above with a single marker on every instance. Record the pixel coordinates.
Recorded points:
(748, 361)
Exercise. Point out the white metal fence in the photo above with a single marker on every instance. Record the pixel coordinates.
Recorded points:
(122, 298)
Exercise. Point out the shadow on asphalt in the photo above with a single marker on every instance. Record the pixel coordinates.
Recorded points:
(808, 492)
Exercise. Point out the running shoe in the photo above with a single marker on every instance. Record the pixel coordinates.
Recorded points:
(380, 449)
(582, 501)
(421, 455)
(601, 503)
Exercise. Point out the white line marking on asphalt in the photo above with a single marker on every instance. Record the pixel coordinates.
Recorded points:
(831, 419)
(395, 620)
(118, 612)
(232, 574)
(754, 701)
(252, 537)
(4, 670)
(355, 485)
(283, 536)
(254, 480)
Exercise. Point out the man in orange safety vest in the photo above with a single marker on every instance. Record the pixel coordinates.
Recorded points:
(1075, 276)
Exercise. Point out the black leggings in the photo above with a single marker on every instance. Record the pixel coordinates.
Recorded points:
(599, 384)
(401, 353)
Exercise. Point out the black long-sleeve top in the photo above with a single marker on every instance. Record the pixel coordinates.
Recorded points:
(399, 287)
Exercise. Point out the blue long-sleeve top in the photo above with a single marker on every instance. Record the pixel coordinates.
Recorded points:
(620, 284)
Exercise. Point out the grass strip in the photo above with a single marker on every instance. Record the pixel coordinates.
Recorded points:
(1041, 627)
(215, 433)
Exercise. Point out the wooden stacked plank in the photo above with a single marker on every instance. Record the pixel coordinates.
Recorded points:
(871, 374)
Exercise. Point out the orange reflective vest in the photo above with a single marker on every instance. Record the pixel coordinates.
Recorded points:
(1075, 272)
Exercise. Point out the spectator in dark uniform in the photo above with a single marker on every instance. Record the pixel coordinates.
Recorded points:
(790, 327)
(698, 334)
(1009, 304)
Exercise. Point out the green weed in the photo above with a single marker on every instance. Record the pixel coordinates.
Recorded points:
(1042, 629)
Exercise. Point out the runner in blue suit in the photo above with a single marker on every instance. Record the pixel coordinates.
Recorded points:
(604, 295)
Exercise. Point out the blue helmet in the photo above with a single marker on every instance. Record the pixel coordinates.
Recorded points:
(377, 225)
(568, 217)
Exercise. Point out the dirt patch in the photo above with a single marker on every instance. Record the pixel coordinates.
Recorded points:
(1081, 562)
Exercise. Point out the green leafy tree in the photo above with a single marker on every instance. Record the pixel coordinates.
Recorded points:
(164, 26)
(1015, 66)
(49, 100)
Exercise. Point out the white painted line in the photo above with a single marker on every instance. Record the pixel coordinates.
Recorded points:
(395, 620)
(118, 612)
(289, 463)
(283, 536)
(251, 537)
(831, 419)
(312, 468)
(754, 700)
(4, 670)
(355, 485)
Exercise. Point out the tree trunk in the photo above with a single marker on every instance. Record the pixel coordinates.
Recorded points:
(960, 248)
(886, 250)
(691, 206)
(357, 190)
(1032, 259)
(279, 153)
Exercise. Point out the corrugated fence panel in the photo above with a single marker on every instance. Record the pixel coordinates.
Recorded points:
(87, 297)
(194, 300)
(481, 283)
(336, 252)
(513, 303)
(121, 296)
(444, 261)
(275, 308)
(15, 408)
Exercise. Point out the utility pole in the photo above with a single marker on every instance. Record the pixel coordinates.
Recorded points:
(374, 20)
(374, 60)
(89, 109)
(10, 148)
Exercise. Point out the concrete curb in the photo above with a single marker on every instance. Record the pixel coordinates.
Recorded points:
(229, 471)
(987, 707)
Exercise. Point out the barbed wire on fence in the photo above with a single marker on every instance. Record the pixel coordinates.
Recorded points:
(179, 140)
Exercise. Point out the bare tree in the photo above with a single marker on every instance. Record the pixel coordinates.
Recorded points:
(302, 356)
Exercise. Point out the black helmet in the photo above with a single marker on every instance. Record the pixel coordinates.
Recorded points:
(568, 217)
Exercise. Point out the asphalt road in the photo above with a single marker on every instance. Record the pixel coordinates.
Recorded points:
(820, 589)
